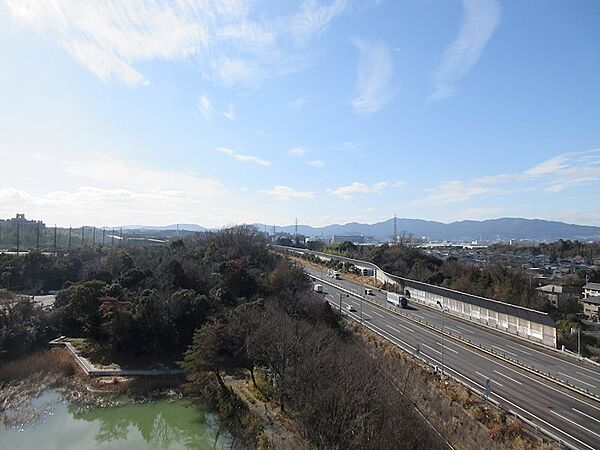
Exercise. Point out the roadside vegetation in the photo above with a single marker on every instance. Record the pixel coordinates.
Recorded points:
(225, 306)
(496, 281)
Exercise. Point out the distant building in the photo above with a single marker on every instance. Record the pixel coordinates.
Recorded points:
(591, 301)
(355, 239)
(558, 296)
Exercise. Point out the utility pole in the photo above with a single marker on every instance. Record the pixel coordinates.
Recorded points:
(123, 240)
(340, 303)
(18, 237)
(296, 231)
(112, 244)
(70, 230)
(441, 305)
(103, 235)
(82, 236)
(94, 236)
(37, 238)
(395, 229)
(55, 239)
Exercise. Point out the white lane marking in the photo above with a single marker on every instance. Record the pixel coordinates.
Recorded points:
(575, 423)
(378, 314)
(576, 379)
(495, 394)
(506, 376)
(406, 328)
(486, 377)
(546, 385)
(453, 329)
(586, 415)
(587, 376)
(396, 329)
(464, 329)
(447, 347)
(519, 350)
(519, 407)
(431, 348)
(504, 350)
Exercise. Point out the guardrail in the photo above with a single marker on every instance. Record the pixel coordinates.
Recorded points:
(536, 428)
(458, 338)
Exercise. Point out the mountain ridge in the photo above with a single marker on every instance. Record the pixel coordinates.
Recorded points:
(499, 229)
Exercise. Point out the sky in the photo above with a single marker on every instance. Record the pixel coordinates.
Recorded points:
(240, 111)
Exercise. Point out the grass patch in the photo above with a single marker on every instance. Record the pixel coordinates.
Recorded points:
(55, 360)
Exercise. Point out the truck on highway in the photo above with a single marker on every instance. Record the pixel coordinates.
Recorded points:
(318, 288)
(335, 275)
(397, 299)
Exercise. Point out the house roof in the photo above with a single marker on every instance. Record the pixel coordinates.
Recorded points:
(592, 286)
(594, 300)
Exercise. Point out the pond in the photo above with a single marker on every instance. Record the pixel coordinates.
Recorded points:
(159, 424)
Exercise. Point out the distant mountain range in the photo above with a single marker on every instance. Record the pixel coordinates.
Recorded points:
(182, 227)
(464, 231)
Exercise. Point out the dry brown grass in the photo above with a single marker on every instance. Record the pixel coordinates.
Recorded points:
(55, 360)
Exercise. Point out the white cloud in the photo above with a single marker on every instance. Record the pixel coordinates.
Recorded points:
(356, 189)
(205, 107)
(296, 152)
(317, 163)
(453, 192)
(103, 190)
(233, 41)
(553, 175)
(481, 17)
(285, 193)
(547, 167)
(313, 18)
(242, 157)
(374, 73)
(297, 104)
(230, 113)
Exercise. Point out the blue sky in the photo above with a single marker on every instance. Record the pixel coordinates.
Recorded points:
(221, 112)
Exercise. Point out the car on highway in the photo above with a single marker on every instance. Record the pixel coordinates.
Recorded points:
(350, 308)
(368, 292)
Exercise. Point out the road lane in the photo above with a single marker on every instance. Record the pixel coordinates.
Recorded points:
(564, 368)
(545, 405)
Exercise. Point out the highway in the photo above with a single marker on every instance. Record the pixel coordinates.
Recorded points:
(560, 413)
(578, 373)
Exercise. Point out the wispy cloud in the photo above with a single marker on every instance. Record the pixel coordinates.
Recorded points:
(243, 157)
(297, 152)
(374, 74)
(552, 175)
(317, 163)
(286, 193)
(548, 167)
(357, 189)
(297, 104)
(205, 107)
(117, 191)
(481, 17)
(313, 18)
(230, 113)
(453, 192)
(234, 41)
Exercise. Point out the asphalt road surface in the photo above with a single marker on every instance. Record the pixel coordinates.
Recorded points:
(563, 414)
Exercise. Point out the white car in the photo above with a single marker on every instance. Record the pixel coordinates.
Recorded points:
(350, 308)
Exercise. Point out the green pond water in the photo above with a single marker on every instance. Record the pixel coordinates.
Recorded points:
(160, 424)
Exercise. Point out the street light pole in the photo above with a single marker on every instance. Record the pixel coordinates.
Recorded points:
(361, 313)
(441, 305)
